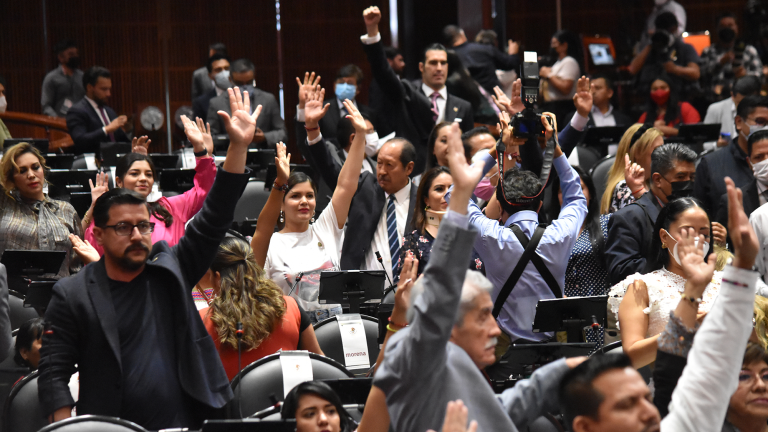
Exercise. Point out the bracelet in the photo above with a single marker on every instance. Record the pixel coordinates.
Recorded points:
(201, 153)
(311, 129)
(396, 324)
(392, 329)
(637, 191)
(738, 284)
(283, 188)
(691, 299)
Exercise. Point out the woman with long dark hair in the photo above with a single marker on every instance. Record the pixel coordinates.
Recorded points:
(437, 146)
(664, 110)
(560, 79)
(316, 407)
(271, 321)
(135, 171)
(427, 215)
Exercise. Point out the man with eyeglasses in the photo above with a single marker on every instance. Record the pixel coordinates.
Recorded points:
(751, 117)
(128, 323)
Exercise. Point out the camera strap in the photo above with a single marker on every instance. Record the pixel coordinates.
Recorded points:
(546, 169)
(529, 255)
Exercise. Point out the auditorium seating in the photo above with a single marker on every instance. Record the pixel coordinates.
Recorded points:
(599, 174)
(329, 338)
(93, 423)
(19, 313)
(21, 412)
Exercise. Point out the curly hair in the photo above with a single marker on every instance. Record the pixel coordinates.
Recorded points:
(247, 296)
(761, 320)
(10, 168)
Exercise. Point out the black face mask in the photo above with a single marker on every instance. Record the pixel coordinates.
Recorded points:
(553, 53)
(73, 62)
(726, 35)
(680, 189)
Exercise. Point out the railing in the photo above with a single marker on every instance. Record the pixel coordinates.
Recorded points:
(27, 125)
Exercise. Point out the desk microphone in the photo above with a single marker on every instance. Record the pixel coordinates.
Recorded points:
(296, 282)
(239, 335)
(595, 325)
(381, 261)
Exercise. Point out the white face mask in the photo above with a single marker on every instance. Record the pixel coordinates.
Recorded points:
(761, 171)
(371, 144)
(3, 104)
(675, 256)
(753, 129)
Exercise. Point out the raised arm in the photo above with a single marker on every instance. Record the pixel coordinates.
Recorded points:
(380, 68)
(350, 171)
(265, 226)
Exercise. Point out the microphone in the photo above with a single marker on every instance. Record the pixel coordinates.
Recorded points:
(595, 325)
(296, 282)
(381, 261)
(239, 335)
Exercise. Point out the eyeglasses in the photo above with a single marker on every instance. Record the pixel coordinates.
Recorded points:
(126, 229)
(748, 377)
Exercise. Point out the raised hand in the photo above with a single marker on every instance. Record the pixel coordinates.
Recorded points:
(582, 99)
(101, 186)
(205, 130)
(456, 415)
(140, 145)
(197, 134)
(743, 237)
(719, 234)
(240, 125)
(465, 177)
(358, 122)
(84, 249)
(372, 16)
(313, 108)
(408, 274)
(282, 163)
(513, 106)
(634, 175)
(310, 83)
(698, 273)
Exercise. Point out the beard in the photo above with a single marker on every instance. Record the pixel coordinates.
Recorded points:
(130, 264)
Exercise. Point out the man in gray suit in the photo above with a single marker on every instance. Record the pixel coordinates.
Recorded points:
(270, 127)
(201, 81)
(5, 316)
(452, 334)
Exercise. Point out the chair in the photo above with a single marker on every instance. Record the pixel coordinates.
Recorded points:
(259, 383)
(588, 157)
(21, 412)
(250, 204)
(329, 338)
(79, 163)
(545, 423)
(10, 372)
(93, 423)
(615, 348)
(19, 314)
(599, 174)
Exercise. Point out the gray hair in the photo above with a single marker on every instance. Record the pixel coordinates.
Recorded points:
(474, 285)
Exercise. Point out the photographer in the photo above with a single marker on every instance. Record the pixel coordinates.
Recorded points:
(519, 285)
(666, 52)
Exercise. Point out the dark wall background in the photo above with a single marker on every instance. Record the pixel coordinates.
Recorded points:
(127, 37)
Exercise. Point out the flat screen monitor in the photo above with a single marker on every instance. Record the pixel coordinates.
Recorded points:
(601, 54)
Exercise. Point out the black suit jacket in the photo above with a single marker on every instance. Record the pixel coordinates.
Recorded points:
(330, 121)
(709, 186)
(85, 127)
(482, 60)
(751, 199)
(630, 231)
(200, 104)
(82, 318)
(364, 211)
(455, 108)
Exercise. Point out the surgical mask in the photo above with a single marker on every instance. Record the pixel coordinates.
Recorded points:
(660, 97)
(3, 104)
(680, 189)
(726, 35)
(371, 144)
(480, 154)
(674, 249)
(247, 88)
(761, 171)
(222, 80)
(754, 129)
(73, 62)
(345, 91)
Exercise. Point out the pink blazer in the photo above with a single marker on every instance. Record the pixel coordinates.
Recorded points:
(182, 207)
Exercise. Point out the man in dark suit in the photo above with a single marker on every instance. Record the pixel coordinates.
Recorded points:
(378, 100)
(755, 193)
(414, 114)
(603, 113)
(91, 121)
(218, 72)
(731, 161)
(270, 128)
(630, 229)
(201, 81)
(128, 323)
(482, 60)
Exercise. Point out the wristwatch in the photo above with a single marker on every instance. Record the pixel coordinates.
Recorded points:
(201, 153)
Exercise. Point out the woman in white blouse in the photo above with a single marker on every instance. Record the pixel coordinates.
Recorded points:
(559, 81)
(308, 243)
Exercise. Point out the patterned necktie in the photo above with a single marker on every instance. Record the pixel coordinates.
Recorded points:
(106, 122)
(435, 111)
(394, 244)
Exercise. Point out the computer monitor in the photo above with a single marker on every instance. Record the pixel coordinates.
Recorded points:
(177, 180)
(111, 151)
(165, 161)
(32, 262)
(249, 425)
(351, 287)
(59, 161)
(601, 54)
(63, 183)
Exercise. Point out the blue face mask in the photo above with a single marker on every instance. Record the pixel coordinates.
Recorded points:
(345, 91)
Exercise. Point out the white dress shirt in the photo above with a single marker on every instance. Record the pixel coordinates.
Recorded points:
(440, 100)
(98, 113)
(760, 189)
(380, 240)
(366, 165)
(601, 119)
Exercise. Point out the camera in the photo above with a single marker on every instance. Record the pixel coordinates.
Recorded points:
(661, 45)
(527, 123)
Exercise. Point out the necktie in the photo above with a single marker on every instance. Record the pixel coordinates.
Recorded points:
(435, 111)
(106, 122)
(394, 244)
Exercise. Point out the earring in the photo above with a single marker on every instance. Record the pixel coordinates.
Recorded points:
(426, 208)
(282, 216)
(663, 246)
(313, 218)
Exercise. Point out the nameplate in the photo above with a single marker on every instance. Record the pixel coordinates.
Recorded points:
(353, 341)
(297, 368)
